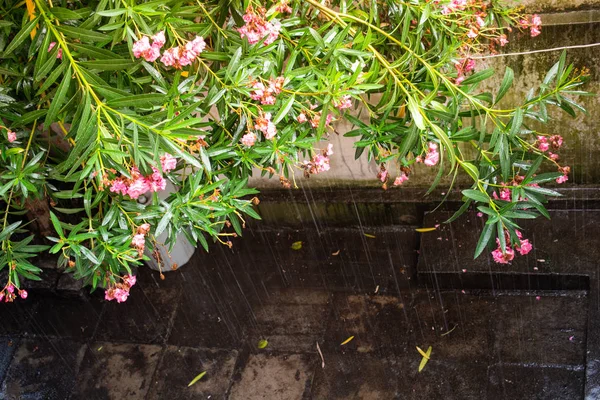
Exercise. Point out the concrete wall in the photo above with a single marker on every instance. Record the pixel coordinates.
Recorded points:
(564, 24)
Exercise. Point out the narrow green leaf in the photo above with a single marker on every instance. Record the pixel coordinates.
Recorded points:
(507, 82)
(20, 37)
(484, 239)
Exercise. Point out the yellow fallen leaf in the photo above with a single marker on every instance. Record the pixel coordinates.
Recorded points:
(99, 348)
(425, 357)
(197, 378)
(31, 12)
(336, 253)
(262, 344)
(370, 236)
(297, 245)
(347, 340)
(425, 229)
(184, 74)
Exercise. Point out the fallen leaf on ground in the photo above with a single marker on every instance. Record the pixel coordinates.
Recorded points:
(347, 340)
(336, 253)
(425, 229)
(369, 235)
(321, 354)
(297, 245)
(262, 344)
(425, 357)
(197, 378)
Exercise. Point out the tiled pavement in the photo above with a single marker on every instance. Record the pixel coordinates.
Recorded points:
(211, 314)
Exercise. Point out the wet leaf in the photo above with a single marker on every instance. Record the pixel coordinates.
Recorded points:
(370, 236)
(262, 344)
(197, 378)
(422, 230)
(297, 245)
(321, 354)
(347, 340)
(336, 253)
(425, 357)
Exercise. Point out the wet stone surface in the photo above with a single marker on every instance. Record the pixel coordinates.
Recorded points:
(117, 371)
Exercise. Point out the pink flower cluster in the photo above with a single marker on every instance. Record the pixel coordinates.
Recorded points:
(523, 248)
(316, 119)
(139, 238)
(264, 124)
(11, 136)
(455, 5)
(257, 27)
(139, 184)
(433, 157)
(463, 67)
(182, 56)
(319, 162)
(150, 52)
(120, 291)
(534, 24)
(8, 293)
(403, 177)
(544, 143)
(566, 170)
(249, 139)
(266, 94)
(344, 102)
(59, 54)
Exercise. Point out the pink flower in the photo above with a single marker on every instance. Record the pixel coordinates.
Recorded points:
(459, 79)
(556, 141)
(10, 288)
(159, 40)
(469, 65)
(433, 156)
(503, 40)
(156, 183)
(264, 124)
(345, 102)
(109, 295)
(1, 295)
(400, 179)
(535, 31)
(472, 34)
(302, 118)
(138, 241)
(536, 20)
(446, 10)
(553, 156)
(144, 228)
(185, 59)
(23, 294)
(121, 295)
(543, 144)
(321, 163)
(258, 92)
(329, 150)
(130, 280)
(11, 136)
(562, 179)
(257, 27)
(249, 139)
(480, 214)
(119, 186)
(170, 57)
(141, 47)
(505, 194)
(524, 247)
(505, 258)
(152, 54)
(382, 175)
(137, 188)
(168, 162)
(480, 21)
(59, 53)
(197, 45)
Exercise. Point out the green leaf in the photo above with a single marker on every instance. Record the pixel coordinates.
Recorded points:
(479, 76)
(262, 344)
(20, 37)
(283, 111)
(85, 35)
(56, 224)
(139, 100)
(476, 195)
(297, 245)
(64, 14)
(506, 83)
(516, 122)
(58, 99)
(484, 239)
(197, 378)
(415, 113)
(441, 135)
(115, 64)
(471, 170)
